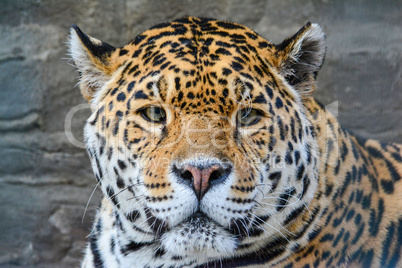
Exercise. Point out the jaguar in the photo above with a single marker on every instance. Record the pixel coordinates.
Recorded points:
(211, 151)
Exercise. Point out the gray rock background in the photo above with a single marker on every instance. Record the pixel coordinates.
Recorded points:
(45, 181)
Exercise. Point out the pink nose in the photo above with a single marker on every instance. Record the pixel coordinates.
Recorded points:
(202, 177)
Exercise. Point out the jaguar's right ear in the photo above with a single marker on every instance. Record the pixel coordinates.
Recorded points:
(93, 59)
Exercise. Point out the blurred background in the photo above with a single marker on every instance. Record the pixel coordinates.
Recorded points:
(46, 181)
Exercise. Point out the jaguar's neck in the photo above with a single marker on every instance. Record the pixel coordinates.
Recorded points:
(357, 179)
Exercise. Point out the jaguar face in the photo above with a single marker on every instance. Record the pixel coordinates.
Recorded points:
(199, 139)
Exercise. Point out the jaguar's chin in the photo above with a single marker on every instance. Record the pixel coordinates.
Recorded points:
(200, 238)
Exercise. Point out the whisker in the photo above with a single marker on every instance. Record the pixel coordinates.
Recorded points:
(272, 228)
(241, 219)
(273, 218)
(126, 188)
(89, 200)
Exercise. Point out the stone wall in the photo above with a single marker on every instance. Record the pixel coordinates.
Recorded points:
(46, 181)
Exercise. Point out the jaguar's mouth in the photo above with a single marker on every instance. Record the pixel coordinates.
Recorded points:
(199, 236)
(199, 216)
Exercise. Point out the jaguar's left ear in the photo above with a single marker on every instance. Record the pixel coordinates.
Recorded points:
(300, 57)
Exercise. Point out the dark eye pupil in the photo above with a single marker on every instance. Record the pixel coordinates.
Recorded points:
(158, 114)
(244, 114)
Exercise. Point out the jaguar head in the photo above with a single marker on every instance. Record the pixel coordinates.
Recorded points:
(199, 136)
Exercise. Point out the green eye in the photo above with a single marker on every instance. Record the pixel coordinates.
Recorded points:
(154, 114)
(248, 117)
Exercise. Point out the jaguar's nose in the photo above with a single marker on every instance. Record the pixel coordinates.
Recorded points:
(203, 177)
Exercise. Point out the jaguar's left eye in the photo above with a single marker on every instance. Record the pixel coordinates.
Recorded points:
(248, 117)
(154, 114)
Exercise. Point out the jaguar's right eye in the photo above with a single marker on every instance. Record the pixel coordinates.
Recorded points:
(154, 114)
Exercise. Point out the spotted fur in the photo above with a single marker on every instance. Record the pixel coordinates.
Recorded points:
(246, 169)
